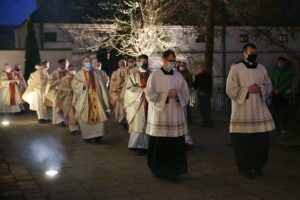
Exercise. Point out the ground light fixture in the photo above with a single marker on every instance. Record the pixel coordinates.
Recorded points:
(51, 173)
(5, 122)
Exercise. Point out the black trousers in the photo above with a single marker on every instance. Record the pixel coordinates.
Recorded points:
(205, 107)
(251, 150)
(280, 111)
(167, 156)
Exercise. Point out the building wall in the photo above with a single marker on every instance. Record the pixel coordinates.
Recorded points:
(183, 41)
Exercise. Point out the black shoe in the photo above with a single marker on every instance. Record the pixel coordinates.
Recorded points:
(142, 152)
(173, 177)
(133, 149)
(158, 175)
(62, 124)
(259, 172)
(248, 174)
(42, 121)
(87, 140)
(98, 139)
(75, 133)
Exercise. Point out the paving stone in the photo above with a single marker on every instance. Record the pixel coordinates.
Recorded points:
(111, 171)
(7, 179)
(77, 195)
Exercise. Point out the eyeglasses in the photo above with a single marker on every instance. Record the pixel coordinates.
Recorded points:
(170, 60)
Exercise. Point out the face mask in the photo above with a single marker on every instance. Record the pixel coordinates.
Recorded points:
(8, 69)
(144, 66)
(252, 58)
(88, 65)
(281, 65)
(72, 72)
(171, 66)
(142, 70)
(181, 68)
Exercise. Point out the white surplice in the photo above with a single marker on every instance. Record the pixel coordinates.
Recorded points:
(34, 94)
(166, 116)
(250, 113)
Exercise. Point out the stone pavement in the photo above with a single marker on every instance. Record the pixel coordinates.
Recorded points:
(110, 171)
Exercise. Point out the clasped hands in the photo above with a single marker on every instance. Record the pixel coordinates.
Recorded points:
(254, 88)
(172, 93)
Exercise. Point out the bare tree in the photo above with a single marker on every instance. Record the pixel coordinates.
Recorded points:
(136, 27)
(267, 17)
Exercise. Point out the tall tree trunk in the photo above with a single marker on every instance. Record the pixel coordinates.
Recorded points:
(32, 54)
(209, 40)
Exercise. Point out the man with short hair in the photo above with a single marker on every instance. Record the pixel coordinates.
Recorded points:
(51, 91)
(98, 66)
(248, 87)
(34, 94)
(91, 101)
(117, 83)
(136, 106)
(64, 99)
(167, 93)
(282, 80)
(203, 85)
(10, 96)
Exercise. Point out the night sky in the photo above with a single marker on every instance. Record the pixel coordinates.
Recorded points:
(14, 12)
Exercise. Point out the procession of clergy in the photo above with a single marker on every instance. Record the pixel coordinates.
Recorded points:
(152, 104)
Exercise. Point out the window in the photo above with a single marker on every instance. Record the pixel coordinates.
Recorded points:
(50, 37)
(244, 38)
(200, 38)
(103, 34)
(283, 37)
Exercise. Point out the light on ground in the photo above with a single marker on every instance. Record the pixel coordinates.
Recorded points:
(51, 173)
(5, 123)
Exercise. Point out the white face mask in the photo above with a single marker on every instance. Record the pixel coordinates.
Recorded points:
(72, 73)
(142, 70)
(181, 68)
(8, 69)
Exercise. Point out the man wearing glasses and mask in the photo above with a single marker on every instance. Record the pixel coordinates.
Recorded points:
(168, 94)
(90, 100)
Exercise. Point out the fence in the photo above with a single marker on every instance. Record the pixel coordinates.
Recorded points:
(221, 102)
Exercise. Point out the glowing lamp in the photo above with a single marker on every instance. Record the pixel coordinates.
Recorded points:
(51, 173)
(5, 123)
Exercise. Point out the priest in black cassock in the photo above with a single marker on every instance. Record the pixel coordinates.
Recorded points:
(168, 94)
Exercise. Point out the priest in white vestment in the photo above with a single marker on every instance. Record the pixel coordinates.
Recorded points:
(10, 96)
(34, 94)
(98, 66)
(136, 106)
(91, 101)
(51, 91)
(117, 92)
(22, 83)
(64, 99)
(19, 75)
(248, 86)
(168, 94)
